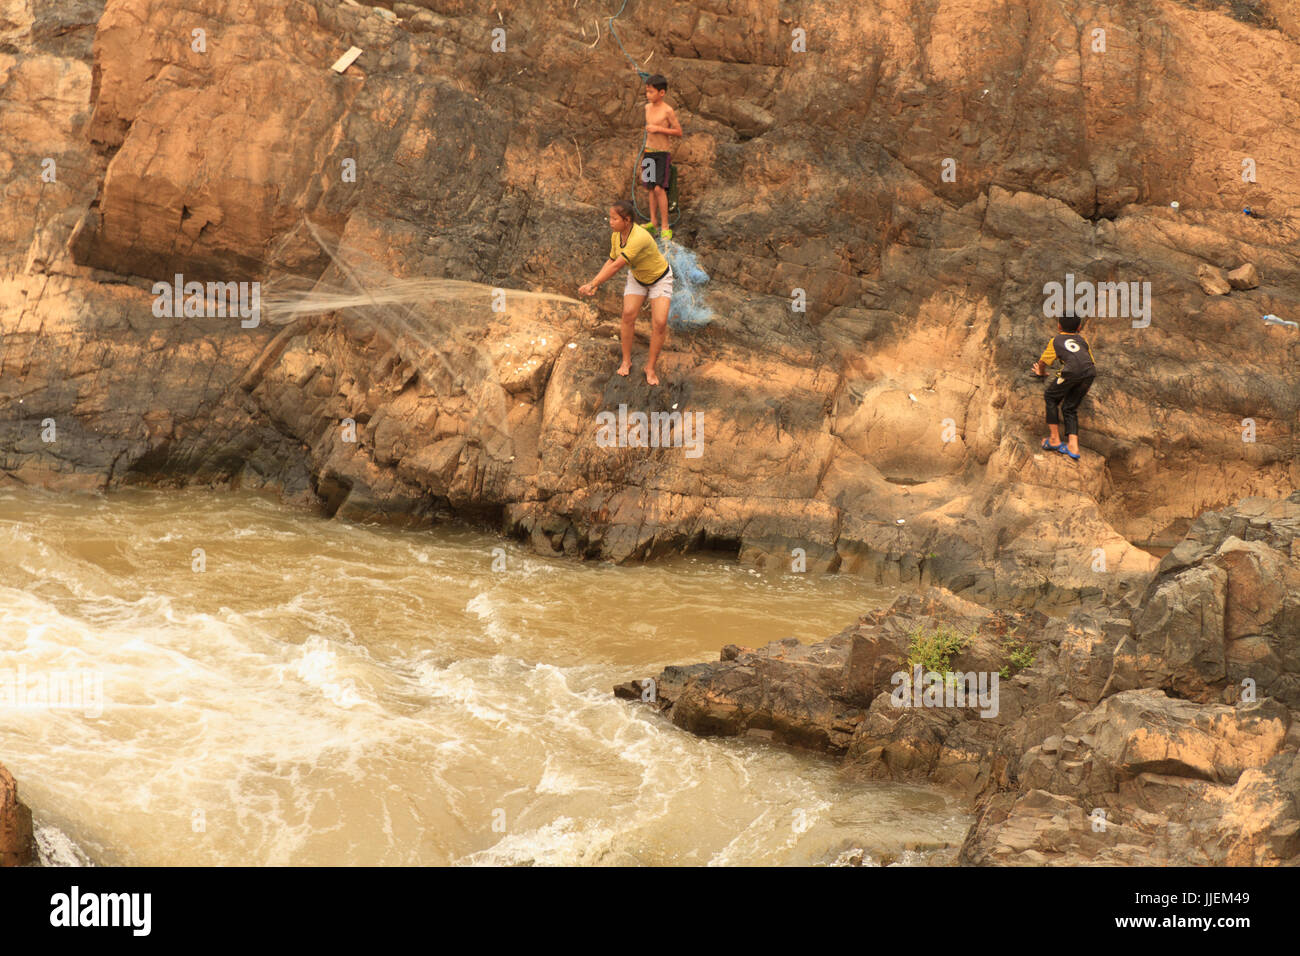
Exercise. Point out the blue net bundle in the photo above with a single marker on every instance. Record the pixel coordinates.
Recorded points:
(688, 309)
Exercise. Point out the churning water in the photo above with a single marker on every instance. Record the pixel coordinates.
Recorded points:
(326, 693)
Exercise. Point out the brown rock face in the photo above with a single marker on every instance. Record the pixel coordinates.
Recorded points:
(836, 696)
(913, 181)
(1142, 731)
(17, 844)
(1150, 818)
(1212, 281)
(1087, 756)
(1178, 636)
(1221, 616)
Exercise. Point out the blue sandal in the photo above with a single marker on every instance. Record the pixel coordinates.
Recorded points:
(1048, 446)
(1065, 450)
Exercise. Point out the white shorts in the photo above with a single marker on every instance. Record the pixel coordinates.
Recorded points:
(664, 287)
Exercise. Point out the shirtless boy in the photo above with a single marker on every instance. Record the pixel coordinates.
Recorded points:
(660, 126)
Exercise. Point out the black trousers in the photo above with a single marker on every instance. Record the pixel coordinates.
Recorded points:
(1069, 395)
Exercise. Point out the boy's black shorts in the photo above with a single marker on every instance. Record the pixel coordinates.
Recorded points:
(654, 169)
(1068, 395)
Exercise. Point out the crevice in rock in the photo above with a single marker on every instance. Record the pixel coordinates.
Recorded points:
(705, 543)
(332, 490)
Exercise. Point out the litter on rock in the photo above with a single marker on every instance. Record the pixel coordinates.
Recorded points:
(1271, 319)
(346, 60)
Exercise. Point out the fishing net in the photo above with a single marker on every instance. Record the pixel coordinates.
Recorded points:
(688, 309)
(430, 321)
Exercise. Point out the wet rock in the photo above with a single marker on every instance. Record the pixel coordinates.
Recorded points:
(17, 843)
(836, 696)
(1129, 740)
(949, 746)
(787, 690)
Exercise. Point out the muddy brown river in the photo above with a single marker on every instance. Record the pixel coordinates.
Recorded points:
(214, 678)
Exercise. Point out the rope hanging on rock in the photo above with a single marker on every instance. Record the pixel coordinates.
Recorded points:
(640, 72)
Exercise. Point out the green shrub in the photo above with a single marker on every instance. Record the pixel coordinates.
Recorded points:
(933, 651)
(1019, 656)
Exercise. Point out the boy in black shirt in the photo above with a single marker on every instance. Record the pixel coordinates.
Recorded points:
(1072, 384)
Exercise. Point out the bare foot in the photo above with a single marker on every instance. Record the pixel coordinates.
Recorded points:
(625, 368)
(650, 377)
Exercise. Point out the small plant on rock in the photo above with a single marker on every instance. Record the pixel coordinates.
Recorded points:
(933, 651)
(1019, 656)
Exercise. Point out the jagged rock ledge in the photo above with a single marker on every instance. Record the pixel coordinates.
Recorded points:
(17, 841)
(1158, 730)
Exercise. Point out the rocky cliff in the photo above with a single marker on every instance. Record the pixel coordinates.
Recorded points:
(911, 174)
(1162, 730)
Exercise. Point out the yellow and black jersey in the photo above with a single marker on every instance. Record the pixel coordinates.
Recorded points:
(643, 257)
(1071, 349)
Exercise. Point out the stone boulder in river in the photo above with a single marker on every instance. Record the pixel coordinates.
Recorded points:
(1159, 730)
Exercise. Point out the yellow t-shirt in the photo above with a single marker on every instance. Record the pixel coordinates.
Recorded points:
(643, 257)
